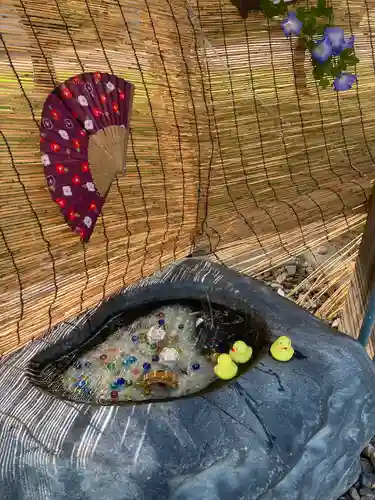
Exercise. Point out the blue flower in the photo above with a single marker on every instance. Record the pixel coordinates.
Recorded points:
(292, 25)
(348, 43)
(335, 37)
(344, 81)
(322, 51)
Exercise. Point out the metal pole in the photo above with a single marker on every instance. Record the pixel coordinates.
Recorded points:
(368, 321)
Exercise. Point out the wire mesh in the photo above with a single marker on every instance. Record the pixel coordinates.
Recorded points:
(233, 149)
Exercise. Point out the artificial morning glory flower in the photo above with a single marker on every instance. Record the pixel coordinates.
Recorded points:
(292, 25)
(335, 37)
(344, 81)
(322, 51)
(348, 43)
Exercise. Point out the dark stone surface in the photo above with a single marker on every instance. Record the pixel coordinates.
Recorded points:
(280, 432)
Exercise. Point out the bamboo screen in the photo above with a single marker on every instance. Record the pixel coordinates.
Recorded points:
(233, 149)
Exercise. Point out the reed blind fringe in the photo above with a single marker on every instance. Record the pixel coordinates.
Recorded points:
(233, 150)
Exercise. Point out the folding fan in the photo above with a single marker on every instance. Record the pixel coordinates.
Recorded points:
(85, 125)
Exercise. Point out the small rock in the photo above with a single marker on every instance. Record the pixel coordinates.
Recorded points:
(367, 494)
(281, 278)
(335, 323)
(368, 480)
(369, 451)
(291, 269)
(322, 250)
(354, 494)
(309, 270)
(275, 285)
(366, 466)
(288, 285)
(281, 292)
(311, 304)
(267, 274)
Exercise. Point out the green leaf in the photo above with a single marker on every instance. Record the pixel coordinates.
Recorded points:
(322, 69)
(324, 83)
(348, 57)
(267, 7)
(301, 12)
(273, 10)
(329, 13)
(319, 29)
(310, 45)
(321, 7)
(346, 53)
(336, 71)
(351, 60)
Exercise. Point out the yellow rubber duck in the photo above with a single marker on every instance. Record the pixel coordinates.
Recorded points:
(240, 352)
(282, 349)
(225, 368)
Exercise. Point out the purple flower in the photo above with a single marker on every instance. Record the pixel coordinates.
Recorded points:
(348, 43)
(322, 51)
(335, 37)
(292, 25)
(344, 81)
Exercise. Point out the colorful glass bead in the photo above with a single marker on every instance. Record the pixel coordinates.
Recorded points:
(180, 326)
(161, 315)
(136, 371)
(154, 346)
(135, 338)
(111, 366)
(132, 360)
(81, 384)
(113, 385)
(196, 366)
(103, 357)
(128, 383)
(155, 358)
(161, 322)
(146, 367)
(114, 394)
(120, 381)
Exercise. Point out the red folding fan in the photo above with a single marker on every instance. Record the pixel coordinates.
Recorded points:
(85, 126)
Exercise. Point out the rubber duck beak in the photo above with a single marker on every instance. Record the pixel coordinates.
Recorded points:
(233, 349)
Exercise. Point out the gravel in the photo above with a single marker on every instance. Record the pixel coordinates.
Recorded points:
(283, 280)
(286, 278)
(354, 495)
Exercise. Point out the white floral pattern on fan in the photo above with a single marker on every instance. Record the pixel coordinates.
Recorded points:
(87, 221)
(89, 124)
(64, 134)
(110, 86)
(82, 100)
(45, 160)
